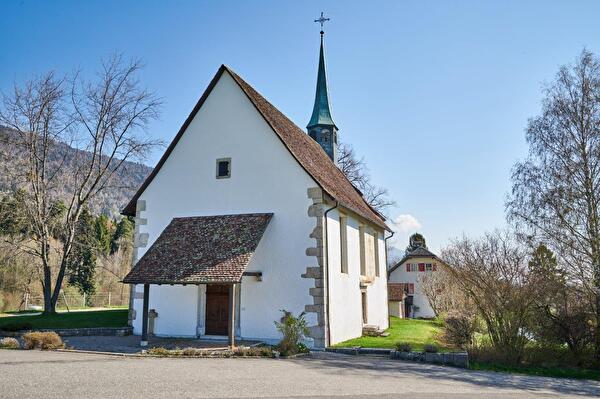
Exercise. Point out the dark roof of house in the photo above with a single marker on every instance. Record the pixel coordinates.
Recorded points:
(201, 250)
(309, 154)
(395, 291)
(419, 252)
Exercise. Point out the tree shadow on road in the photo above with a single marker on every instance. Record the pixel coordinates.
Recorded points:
(330, 362)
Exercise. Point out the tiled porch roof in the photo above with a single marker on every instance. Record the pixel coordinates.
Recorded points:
(201, 250)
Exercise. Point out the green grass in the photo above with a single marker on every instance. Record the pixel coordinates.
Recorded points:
(559, 372)
(417, 333)
(98, 318)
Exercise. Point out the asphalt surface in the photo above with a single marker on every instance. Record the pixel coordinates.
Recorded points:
(36, 374)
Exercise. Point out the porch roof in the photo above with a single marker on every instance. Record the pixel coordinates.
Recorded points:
(201, 250)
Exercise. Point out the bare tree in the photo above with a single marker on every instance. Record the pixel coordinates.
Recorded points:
(357, 172)
(493, 272)
(105, 119)
(443, 292)
(556, 190)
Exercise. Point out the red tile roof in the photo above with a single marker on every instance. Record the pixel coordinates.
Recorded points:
(304, 149)
(201, 250)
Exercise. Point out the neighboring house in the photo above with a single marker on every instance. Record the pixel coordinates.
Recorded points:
(247, 214)
(406, 298)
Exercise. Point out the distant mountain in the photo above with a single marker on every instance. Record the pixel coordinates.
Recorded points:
(110, 202)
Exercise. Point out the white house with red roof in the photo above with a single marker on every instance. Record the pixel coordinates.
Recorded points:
(246, 214)
(406, 297)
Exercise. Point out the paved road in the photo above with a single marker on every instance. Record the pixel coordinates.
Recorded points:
(35, 374)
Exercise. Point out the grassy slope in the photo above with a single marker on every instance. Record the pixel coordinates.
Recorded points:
(560, 372)
(418, 333)
(99, 318)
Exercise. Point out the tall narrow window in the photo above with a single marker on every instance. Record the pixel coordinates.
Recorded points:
(344, 243)
(376, 252)
(368, 253)
(361, 239)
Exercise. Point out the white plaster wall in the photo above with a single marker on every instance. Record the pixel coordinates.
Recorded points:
(344, 293)
(400, 275)
(377, 295)
(264, 178)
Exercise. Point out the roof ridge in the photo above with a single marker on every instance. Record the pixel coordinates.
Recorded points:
(245, 86)
(307, 152)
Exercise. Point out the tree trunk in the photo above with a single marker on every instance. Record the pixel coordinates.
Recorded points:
(49, 307)
(597, 331)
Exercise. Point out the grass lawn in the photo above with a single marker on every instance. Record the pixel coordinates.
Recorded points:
(81, 319)
(417, 333)
(560, 372)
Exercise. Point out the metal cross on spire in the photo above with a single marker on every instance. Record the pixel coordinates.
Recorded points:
(322, 19)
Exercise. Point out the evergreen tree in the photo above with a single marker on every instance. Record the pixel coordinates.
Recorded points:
(416, 241)
(81, 264)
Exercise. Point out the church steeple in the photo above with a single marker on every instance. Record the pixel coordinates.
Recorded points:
(321, 126)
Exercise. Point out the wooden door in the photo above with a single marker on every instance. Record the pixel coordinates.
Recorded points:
(217, 309)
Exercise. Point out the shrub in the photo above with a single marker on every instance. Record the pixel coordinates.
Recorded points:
(191, 352)
(293, 329)
(160, 351)
(403, 347)
(16, 326)
(430, 348)
(263, 351)
(9, 343)
(42, 340)
(202, 352)
(459, 330)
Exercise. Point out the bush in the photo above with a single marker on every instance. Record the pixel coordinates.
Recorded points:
(16, 327)
(264, 351)
(403, 347)
(42, 340)
(459, 330)
(430, 348)
(9, 343)
(293, 329)
(160, 351)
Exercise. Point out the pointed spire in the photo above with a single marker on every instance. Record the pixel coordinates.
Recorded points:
(321, 114)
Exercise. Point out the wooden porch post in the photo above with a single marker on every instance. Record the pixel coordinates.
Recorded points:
(231, 326)
(144, 341)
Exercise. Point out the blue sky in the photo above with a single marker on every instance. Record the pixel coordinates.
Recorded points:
(434, 94)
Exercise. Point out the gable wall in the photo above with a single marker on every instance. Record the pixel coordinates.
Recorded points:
(264, 178)
(400, 275)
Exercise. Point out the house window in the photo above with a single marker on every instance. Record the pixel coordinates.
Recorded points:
(411, 288)
(344, 243)
(429, 267)
(421, 267)
(223, 168)
(411, 267)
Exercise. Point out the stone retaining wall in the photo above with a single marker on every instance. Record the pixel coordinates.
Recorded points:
(457, 359)
(77, 332)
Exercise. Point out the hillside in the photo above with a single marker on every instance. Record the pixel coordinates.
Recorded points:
(109, 202)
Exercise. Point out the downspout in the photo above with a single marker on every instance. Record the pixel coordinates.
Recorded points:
(387, 276)
(326, 271)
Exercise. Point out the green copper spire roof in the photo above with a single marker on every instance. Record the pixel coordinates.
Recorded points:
(321, 114)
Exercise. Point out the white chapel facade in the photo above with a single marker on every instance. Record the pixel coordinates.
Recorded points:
(247, 214)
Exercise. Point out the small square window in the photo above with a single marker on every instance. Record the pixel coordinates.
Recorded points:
(223, 168)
